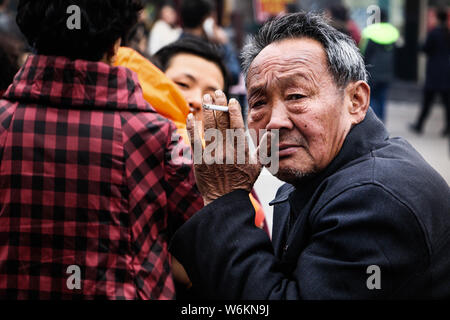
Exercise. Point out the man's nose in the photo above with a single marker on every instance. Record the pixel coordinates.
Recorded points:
(195, 102)
(279, 117)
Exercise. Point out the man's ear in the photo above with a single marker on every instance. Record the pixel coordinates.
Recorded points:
(109, 56)
(114, 50)
(359, 95)
(117, 45)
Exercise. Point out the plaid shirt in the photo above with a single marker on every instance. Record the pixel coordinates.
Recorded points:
(92, 177)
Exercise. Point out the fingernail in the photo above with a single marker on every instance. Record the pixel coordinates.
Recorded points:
(219, 93)
(233, 101)
(207, 98)
(190, 116)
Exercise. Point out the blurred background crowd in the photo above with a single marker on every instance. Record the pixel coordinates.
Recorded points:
(406, 45)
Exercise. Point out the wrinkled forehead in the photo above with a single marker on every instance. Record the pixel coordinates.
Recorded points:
(289, 56)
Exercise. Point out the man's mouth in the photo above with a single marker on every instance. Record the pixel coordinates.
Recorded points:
(286, 150)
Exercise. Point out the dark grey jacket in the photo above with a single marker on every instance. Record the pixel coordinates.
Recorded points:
(377, 204)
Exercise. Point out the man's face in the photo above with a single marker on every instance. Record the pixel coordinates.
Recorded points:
(195, 77)
(169, 15)
(291, 89)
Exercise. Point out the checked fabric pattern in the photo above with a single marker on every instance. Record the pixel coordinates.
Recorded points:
(91, 176)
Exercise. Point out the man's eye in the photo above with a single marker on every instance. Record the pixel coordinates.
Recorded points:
(257, 104)
(295, 97)
(182, 85)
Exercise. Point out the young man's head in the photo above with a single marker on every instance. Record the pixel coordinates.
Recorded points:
(47, 26)
(195, 12)
(442, 15)
(196, 67)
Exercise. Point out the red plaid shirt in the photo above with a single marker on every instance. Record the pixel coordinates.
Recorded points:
(88, 178)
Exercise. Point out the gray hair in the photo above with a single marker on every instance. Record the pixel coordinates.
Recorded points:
(344, 59)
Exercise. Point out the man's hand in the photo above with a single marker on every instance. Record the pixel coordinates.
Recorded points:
(220, 36)
(180, 274)
(214, 174)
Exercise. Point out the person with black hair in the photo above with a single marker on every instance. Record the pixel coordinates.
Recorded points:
(93, 182)
(340, 20)
(338, 15)
(198, 21)
(193, 15)
(44, 24)
(197, 68)
(165, 30)
(175, 58)
(437, 81)
(378, 48)
(11, 53)
(138, 39)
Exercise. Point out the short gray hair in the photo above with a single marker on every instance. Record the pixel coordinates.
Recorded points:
(344, 58)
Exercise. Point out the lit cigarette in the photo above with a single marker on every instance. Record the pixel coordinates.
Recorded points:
(216, 108)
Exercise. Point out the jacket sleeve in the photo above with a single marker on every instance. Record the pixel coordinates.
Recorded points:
(226, 257)
(183, 196)
(427, 45)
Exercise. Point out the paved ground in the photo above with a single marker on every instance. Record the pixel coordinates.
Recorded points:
(434, 148)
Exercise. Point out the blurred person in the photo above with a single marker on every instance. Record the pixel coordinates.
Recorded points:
(5, 18)
(7, 23)
(340, 20)
(361, 216)
(165, 29)
(378, 48)
(138, 39)
(437, 82)
(8, 69)
(198, 21)
(338, 16)
(197, 68)
(93, 183)
(354, 30)
(11, 58)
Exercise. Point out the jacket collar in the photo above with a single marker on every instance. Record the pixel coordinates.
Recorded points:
(63, 83)
(362, 139)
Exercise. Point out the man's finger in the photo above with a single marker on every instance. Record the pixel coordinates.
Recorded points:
(236, 120)
(209, 121)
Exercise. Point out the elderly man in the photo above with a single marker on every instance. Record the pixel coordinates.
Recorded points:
(362, 215)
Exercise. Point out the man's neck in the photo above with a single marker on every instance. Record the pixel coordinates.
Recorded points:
(195, 32)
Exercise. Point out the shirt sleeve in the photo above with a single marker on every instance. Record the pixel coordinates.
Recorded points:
(227, 257)
(183, 196)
